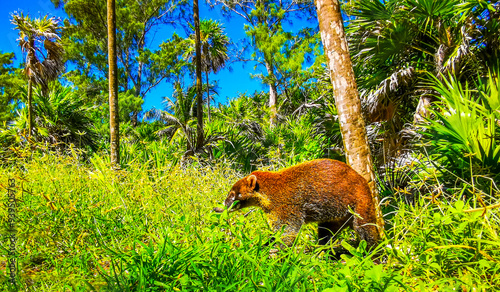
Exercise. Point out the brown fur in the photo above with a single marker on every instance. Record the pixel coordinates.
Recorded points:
(319, 191)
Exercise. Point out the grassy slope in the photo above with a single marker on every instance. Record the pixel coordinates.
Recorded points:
(85, 227)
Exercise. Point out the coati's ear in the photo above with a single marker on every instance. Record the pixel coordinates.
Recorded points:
(252, 182)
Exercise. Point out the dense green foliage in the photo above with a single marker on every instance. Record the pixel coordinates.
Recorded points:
(84, 226)
(465, 125)
(396, 45)
(428, 75)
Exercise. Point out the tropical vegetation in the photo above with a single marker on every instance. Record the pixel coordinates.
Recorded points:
(421, 100)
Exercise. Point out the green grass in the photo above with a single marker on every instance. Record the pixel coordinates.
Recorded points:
(83, 227)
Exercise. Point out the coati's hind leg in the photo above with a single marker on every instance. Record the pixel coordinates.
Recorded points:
(327, 230)
(367, 231)
(366, 228)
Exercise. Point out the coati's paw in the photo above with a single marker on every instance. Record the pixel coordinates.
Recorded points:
(218, 210)
(273, 253)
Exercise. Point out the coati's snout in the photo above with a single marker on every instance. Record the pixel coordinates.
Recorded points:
(228, 202)
(231, 198)
(242, 193)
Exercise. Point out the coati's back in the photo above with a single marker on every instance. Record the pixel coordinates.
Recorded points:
(324, 188)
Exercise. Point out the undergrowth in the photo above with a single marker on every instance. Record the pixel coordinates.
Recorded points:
(84, 227)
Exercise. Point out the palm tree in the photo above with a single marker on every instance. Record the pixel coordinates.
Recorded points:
(114, 122)
(213, 50)
(397, 45)
(199, 89)
(346, 95)
(264, 23)
(179, 117)
(62, 118)
(41, 65)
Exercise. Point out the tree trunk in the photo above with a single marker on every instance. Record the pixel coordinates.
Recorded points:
(199, 89)
(134, 118)
(208, 98)
(273, 92)
(113, 87)
(346, 95)
(422, 111)
(30, 106)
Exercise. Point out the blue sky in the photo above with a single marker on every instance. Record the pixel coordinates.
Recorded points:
(231, 83)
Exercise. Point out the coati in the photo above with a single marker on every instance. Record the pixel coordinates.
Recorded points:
(325, 191)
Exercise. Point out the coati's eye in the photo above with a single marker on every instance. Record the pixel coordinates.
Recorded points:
(238, 196)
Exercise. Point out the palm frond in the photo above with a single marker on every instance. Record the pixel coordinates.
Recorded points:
(41, 66)
(381, 103)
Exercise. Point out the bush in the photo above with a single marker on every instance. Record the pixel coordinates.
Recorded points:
(464, 134)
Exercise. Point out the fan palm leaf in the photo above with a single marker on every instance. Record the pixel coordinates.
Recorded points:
(41, 65)
(465, 122)
(61, 118)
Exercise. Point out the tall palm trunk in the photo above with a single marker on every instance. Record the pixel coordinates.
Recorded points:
(346, 95)
(30, 106)
(199, 89)
(208, 98)
(113, 87)
(32, 58)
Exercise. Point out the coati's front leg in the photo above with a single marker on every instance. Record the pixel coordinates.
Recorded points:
(290, 224)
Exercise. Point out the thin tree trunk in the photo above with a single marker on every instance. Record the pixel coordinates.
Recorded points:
(199, 89)
(346, 96)
(113, 87)
(137, 92)
(422, 111)
(273, 92)
(30, 106)
(208, 98)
